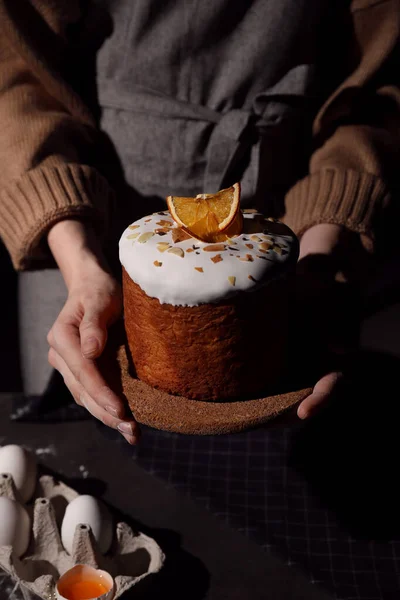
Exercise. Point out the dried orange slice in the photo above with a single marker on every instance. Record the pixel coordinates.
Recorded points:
(235, 228)
(208, 215)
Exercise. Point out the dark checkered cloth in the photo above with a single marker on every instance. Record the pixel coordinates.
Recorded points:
(261, 483)
(323, 495)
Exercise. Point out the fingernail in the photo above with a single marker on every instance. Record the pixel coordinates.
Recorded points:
(302, 413)
(113, 411)
(90, 346)
(125, 428)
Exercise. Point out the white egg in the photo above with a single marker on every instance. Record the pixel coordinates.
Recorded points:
(87, 510)
(21, 464)
(15, 525)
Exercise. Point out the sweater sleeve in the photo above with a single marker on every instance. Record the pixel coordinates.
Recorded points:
(47, 134)
(354, 169)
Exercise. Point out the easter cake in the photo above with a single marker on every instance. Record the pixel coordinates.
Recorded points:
(206, 290)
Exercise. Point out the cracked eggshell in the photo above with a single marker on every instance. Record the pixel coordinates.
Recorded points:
(15, 526)
(87, 510)
(69, 584)
(21, 464)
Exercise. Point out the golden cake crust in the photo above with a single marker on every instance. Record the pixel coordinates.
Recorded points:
(232, 349)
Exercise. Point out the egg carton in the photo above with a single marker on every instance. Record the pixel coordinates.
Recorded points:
(132, 557)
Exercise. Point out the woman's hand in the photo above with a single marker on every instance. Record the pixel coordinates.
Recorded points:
(79, 335)
(328, 307)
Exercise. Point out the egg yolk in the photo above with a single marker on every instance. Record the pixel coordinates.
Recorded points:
(84, 590)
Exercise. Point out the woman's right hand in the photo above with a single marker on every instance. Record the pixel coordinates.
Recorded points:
(79, 334)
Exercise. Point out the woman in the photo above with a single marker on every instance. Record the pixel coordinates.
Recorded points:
(296, 98)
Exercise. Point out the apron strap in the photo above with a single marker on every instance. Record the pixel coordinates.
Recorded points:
(232, 136)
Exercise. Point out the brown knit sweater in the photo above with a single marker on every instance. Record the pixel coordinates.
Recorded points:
(47, 132)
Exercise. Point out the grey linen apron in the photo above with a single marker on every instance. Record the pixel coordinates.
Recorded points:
(194, 95)
(198, 93)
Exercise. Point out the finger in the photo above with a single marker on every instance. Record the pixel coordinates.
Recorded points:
(93, 334)
(58, 364)
(321, 393)
(128, 429)
(65, 340)
(50, 339)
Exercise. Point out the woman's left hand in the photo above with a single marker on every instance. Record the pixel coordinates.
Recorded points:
(328, 308)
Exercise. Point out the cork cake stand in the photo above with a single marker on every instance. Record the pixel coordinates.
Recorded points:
(161, 410)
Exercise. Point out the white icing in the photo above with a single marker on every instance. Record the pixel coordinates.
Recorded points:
(177, 281)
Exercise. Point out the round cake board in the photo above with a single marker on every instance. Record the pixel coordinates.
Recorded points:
(177, 414)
